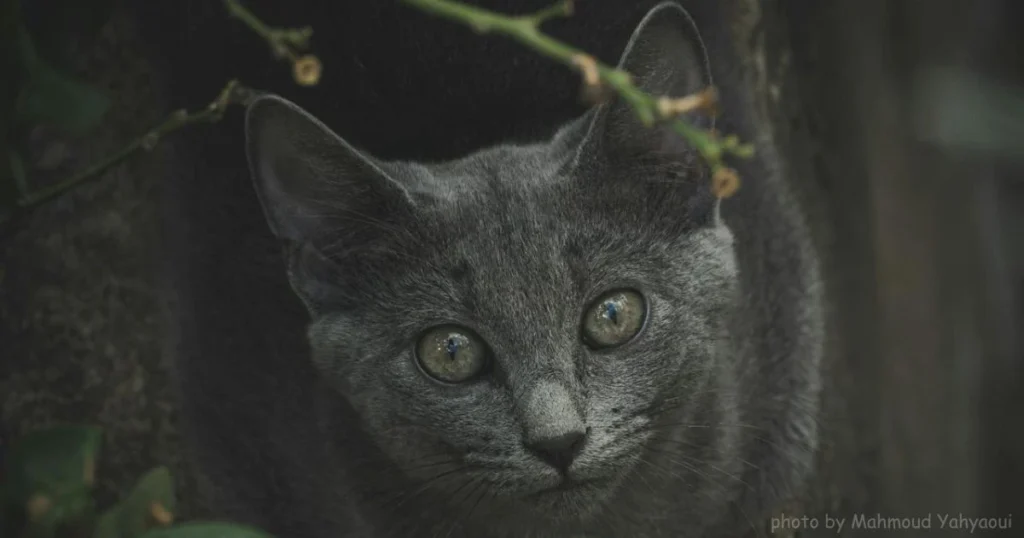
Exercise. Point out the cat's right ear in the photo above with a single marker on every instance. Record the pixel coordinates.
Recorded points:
(308, 178)
(666, 57)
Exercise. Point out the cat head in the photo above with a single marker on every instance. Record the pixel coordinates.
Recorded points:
(535, 316)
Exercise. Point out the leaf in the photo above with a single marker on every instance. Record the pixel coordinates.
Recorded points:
(151, 503)
(49, 476)
(207, 530)
(52, 462)
(60, 28)
(53, 515)
(49, 96)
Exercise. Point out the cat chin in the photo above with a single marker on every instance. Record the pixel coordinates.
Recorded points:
(565, 504)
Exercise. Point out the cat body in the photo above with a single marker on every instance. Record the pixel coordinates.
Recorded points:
(546, 328)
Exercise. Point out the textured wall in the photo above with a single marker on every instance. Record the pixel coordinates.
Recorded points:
(80, 329)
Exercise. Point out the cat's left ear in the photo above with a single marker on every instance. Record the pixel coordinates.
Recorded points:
(666, 57)
(310, 181)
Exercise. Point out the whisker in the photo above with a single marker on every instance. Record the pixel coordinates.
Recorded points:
(694, 445)
(714, 468)
(685, 465)
(479, 486)
(757, 530)
(405, 497)
(671, 425)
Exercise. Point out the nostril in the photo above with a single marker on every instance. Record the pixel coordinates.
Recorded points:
(559, 450)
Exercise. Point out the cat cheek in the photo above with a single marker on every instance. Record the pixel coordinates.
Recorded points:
(337, 356)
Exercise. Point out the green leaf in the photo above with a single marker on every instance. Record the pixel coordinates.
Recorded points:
(207, 530)
(49, 96)
(51, 516)
(49, 476)
(137, 513)
(60, 28)
(52, 462)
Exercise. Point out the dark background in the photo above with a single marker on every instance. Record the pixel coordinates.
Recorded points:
(924, 243)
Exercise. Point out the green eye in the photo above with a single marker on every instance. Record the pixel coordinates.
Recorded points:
(451, 354)
(614, 319)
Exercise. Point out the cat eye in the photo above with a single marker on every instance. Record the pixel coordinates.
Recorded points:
(614, 319)
(451, 354)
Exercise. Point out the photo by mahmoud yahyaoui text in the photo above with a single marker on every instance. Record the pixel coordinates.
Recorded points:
(931, 521)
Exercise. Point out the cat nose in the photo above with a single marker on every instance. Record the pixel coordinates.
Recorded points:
(553, 428)
(560, 450)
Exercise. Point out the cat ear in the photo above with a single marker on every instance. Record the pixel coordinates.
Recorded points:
(308, 179)
(666, 57)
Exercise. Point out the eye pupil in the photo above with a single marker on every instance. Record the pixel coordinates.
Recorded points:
(451, 354)
(611, 311)
(452, 347)
(614, 319)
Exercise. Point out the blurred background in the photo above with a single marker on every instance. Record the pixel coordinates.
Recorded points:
(902, 123)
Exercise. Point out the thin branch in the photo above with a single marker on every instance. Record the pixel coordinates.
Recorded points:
(649, 109)
(287, 43)
(233, 93)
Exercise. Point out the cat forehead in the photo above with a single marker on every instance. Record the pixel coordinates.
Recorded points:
(494, 173)
(532, 200)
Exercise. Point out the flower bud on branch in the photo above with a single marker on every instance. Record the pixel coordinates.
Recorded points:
(599, 79)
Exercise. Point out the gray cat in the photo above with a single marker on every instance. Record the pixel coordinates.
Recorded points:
(562, 338)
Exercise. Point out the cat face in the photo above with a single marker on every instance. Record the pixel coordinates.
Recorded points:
(529, 325)
(533, 327)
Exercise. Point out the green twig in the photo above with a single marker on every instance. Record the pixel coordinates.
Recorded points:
(649, 109)
(233, 93)
(283, 41)
(287, 43)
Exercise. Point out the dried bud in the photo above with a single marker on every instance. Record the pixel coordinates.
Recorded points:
(593, 91)
(705, 101)
(588, 68)
(161, 516)
(307, 70)
(725, 182)
(37, 507)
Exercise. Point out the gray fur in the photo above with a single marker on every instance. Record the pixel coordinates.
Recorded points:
(704, 420)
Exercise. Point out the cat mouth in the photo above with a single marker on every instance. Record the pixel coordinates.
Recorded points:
(569, 485)
(570, 499)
